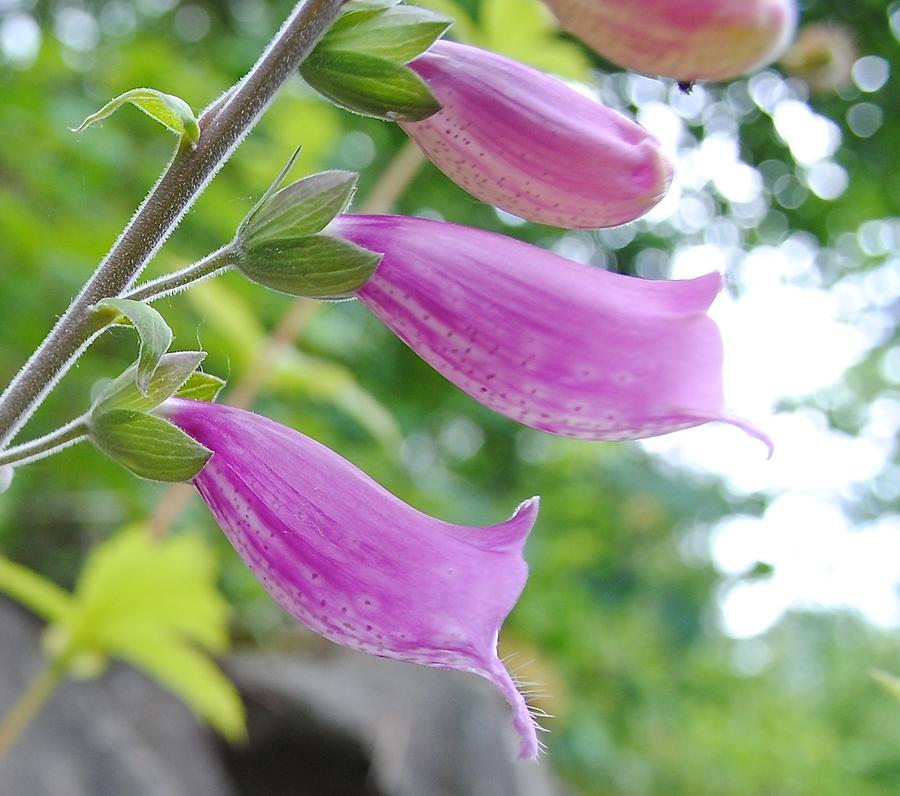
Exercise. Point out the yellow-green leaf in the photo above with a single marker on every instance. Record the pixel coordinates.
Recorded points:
(170, 111)
(38, 594)
(189, 674)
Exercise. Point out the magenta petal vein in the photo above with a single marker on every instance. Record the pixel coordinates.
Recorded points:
(353, 562)
(527, 143)
(556, 345)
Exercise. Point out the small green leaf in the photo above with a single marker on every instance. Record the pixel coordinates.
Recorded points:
(171, 373)
(171, 112)
(148, 446)
(369, 85)
(201, 387)
(302, 208)
(34, 591)
(316, 266)
(155, 334)
(398, 34)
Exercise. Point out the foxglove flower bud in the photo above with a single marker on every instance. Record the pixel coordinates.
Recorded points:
(686, 40)
(353, 562)
(525, 142)
(553, 344)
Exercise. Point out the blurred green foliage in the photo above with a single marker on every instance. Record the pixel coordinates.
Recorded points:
(620, 614)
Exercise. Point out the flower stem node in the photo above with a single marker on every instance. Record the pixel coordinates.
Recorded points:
(279, 244)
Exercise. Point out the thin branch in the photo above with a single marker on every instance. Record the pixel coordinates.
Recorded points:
(211, 265)
(45, 446)
(223, 126)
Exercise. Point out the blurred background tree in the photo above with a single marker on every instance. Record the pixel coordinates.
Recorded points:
(702, 622)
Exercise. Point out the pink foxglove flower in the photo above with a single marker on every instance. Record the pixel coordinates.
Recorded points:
(352, 561)
(553, 344)
(525, 142)
(684, 39)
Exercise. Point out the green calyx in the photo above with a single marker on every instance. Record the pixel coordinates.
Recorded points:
(281, 243)
(360, 64)
(121, 426)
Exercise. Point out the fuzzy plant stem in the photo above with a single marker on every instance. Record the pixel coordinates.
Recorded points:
(223, 126)
(211, 265)
(47, 445)
(29, 705)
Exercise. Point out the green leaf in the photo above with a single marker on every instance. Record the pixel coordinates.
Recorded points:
(149, 601)
(317, 266)
(398, 34)
(154, 332)
(302, 208)
(171, 112)
(38, 594)
(889, 682)
(335, 385)
(148, 446)
(369, 85)
(201, 387)
(171, 373)
(135, 580)
(190, 675)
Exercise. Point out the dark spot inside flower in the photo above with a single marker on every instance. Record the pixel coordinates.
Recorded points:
(315, 575)
(322, 603)
(685, 86)
(369, 627)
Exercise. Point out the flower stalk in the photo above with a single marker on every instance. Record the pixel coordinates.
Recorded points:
(45, 446)
(212, 265)
(223, 126)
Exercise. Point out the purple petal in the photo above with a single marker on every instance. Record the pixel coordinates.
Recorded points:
(556, 345)
(352, 561)
(686, 40)
(525, 142)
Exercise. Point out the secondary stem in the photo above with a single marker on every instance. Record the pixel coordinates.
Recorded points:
(29, 705)
(223, 126)
(47, 445)
(212, 264)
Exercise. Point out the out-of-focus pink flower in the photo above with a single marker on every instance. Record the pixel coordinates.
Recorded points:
(525, 142)
(556, 345)
(352, 561)
(683, 39)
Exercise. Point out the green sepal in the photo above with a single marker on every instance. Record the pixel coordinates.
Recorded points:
(148, 446)
(170, 111)
(201, 387)
(302, 208)
(154, 333)
(171, 373)
(397, 34)
(316, 266)
(369, 85)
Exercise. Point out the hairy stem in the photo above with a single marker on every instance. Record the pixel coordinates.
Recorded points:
(223, 125)
(211, 265)
(47, 445)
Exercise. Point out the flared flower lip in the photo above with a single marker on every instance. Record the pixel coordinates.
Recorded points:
(559, 346)
(353, 562)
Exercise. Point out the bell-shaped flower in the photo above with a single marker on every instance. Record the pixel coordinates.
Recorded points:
(553, 344)
(686, 40)
(352, 561)
(527, 143)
